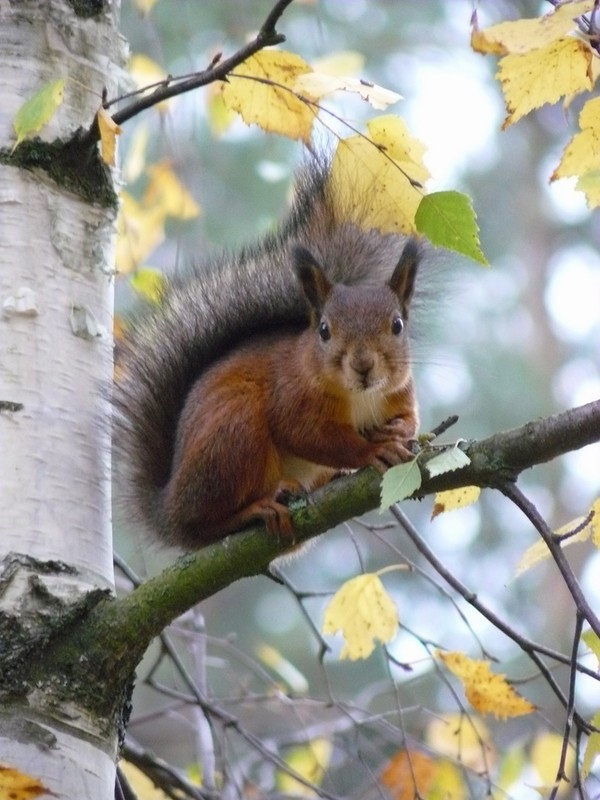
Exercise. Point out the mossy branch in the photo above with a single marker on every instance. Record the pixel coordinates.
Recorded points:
(120, 630)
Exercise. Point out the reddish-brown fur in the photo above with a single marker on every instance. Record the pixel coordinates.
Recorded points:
(286, 410)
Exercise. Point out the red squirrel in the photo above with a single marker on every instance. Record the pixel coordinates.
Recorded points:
(268, 373)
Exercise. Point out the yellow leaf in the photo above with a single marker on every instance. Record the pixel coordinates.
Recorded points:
(378, 180)
(146, 72)
(524, 35)
(220, 117)
(535, 554)
(141, 226)
(166, 192)
(462, 738)
(316, 85)
(284, 668)
(488, 693)
(545, 758)
(409, 774)
(595, 70)
(592, 748)
(310, 761)
(343, 62)
(363, 611)
(145, 6)
(592, 640)
(581, 157)
(391, 134)
(454, 499)
(15, 785)
(109, 130)
(140, 231)
(582, 154)
(529, 80)
(413, 774)
(448, 783)
(261, 90)
(119, 329)
(149, 283)
(140, 783)
(539, 552)
(513, 762)
(589, 184)
(38, 110)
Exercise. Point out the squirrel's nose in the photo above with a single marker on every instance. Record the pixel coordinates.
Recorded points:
(363, 364)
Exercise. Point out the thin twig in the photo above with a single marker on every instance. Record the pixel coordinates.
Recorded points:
(561, 774)
(513, 492)
(444, 425)
(563, 537)
(533, 650)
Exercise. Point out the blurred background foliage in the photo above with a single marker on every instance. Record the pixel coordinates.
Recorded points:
(499, 347)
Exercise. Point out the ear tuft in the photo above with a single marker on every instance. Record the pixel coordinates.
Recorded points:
(315, 284)
(402, 282)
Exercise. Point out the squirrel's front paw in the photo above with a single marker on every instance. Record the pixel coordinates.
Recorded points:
(397, 428)
(395, 442)
(388, 454)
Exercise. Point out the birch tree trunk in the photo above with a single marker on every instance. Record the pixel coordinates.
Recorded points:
(56, 262)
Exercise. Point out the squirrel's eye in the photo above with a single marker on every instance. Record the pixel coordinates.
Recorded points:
(324, 332)
(397, 326)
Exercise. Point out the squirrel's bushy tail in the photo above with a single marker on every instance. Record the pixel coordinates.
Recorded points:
(208, 310)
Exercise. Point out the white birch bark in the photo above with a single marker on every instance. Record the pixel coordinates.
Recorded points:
(56, 262)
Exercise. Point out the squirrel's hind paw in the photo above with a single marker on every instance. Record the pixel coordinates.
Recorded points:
(274, 513)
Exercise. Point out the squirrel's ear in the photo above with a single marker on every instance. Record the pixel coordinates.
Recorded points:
(402, 282)
(315, 284)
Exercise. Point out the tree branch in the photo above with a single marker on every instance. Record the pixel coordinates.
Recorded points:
(532, 649)
(267, 36)
(123, 628)
(545, 439)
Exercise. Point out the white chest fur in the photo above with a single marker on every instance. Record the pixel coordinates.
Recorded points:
(367, 410)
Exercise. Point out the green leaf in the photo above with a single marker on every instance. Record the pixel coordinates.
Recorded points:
(149, 282)
(447, 461)
(399, 483)
(38, 110)
(448, 220)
